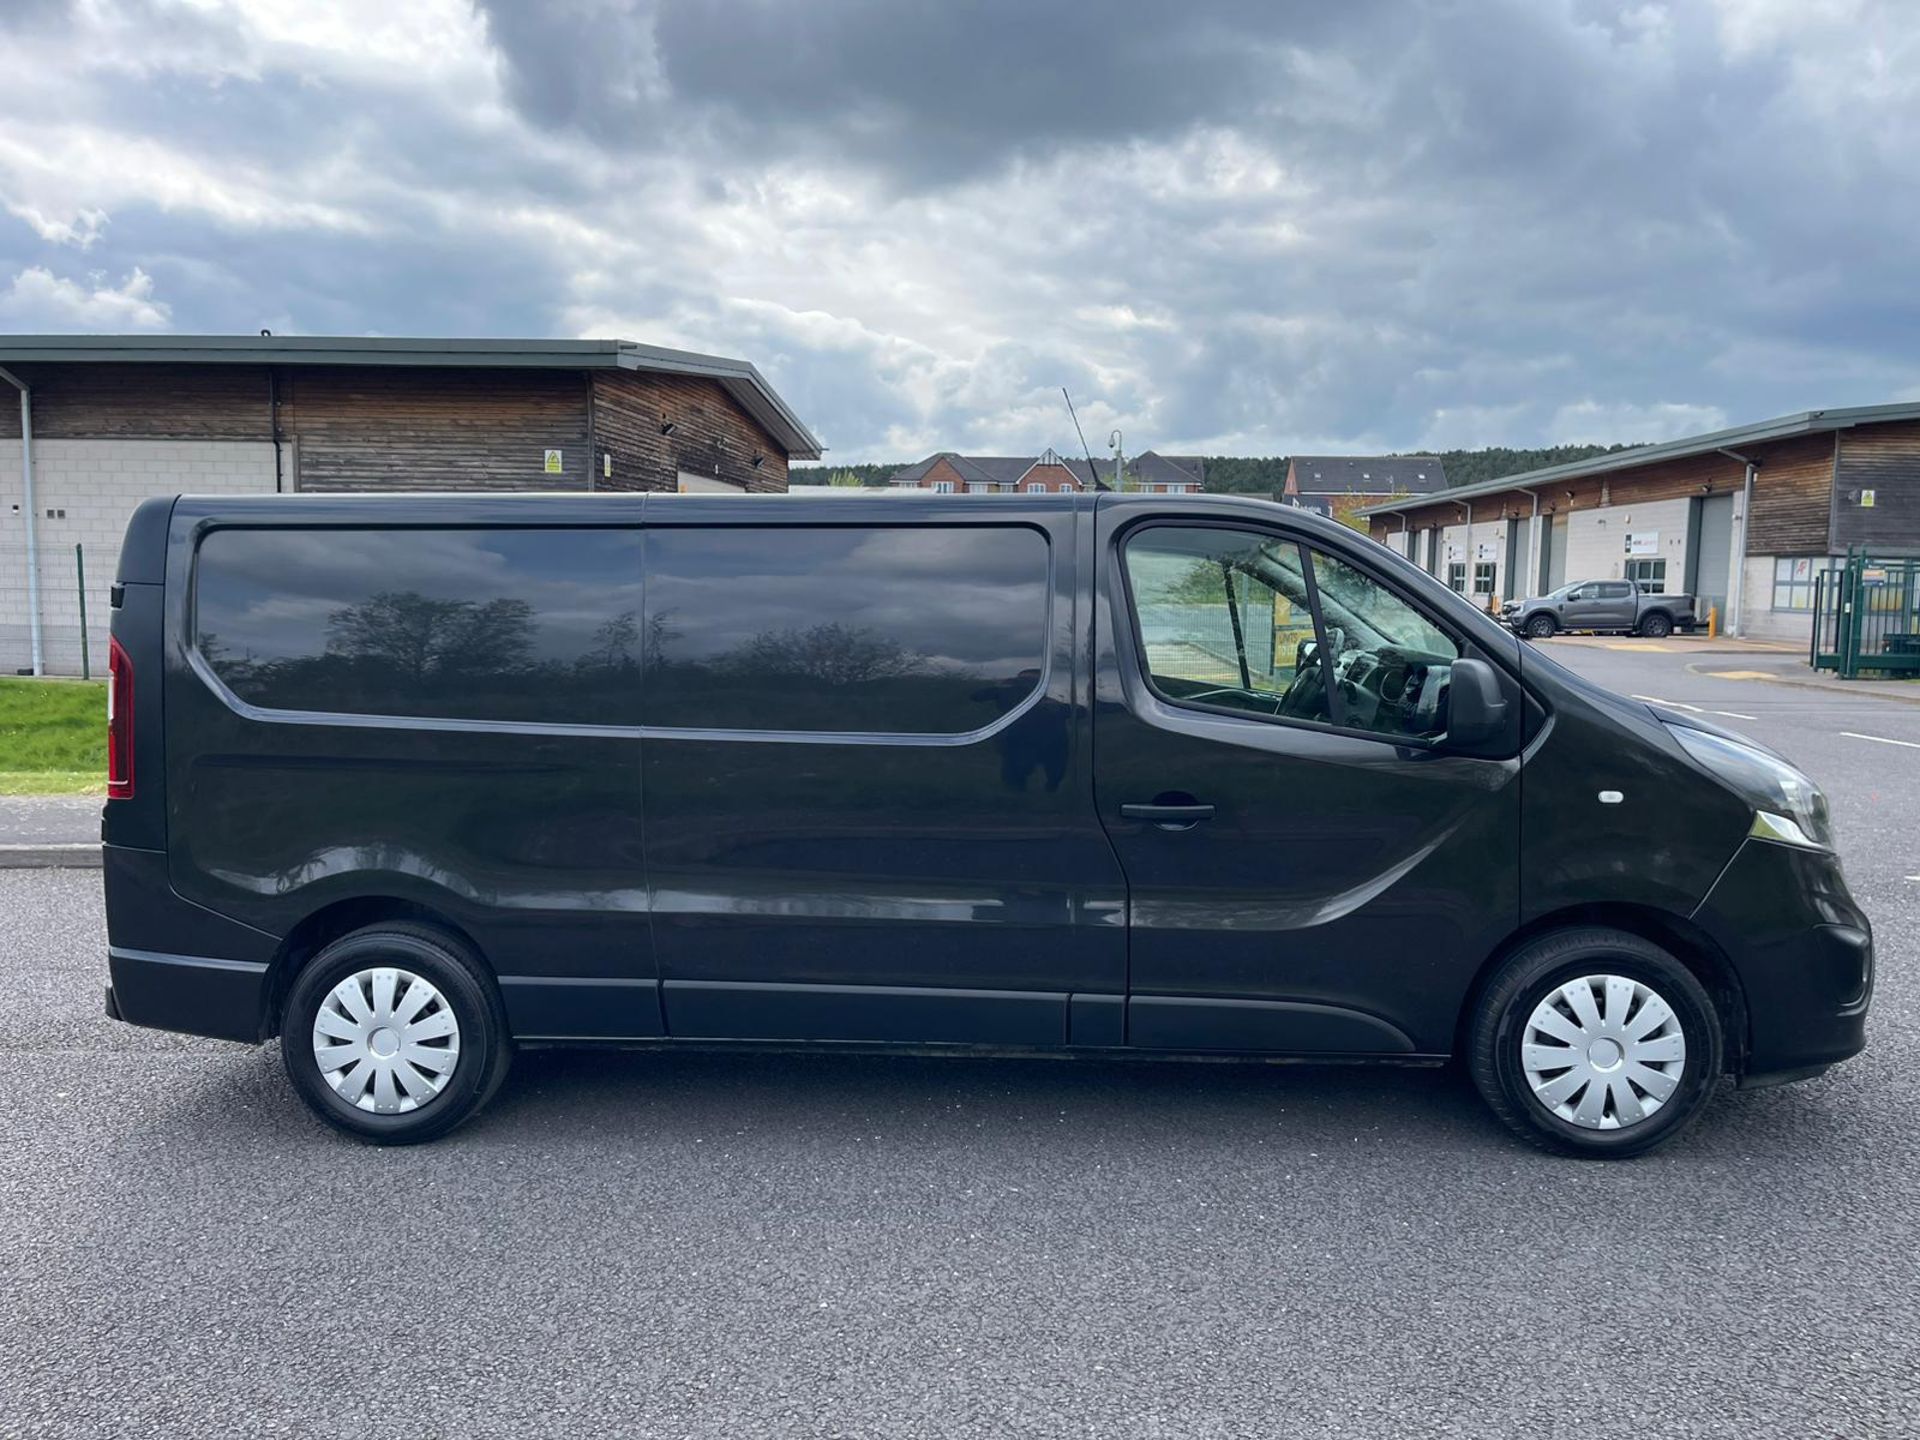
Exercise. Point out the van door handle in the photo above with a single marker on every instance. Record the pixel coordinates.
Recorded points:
(1171, 817)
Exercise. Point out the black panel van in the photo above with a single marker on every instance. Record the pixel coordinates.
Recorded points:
(412, 781)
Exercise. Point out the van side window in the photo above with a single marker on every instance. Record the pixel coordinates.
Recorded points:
(484, 624)
(851, 629)
(1226, 620)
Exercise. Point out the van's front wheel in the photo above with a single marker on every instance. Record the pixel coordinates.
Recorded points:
(394, 1034)
(1595, 1042)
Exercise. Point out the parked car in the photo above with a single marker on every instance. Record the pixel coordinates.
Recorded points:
(411, 782)
(1621, 606)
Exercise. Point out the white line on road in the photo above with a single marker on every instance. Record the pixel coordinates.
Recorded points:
(1881, 739)
(1693, 709)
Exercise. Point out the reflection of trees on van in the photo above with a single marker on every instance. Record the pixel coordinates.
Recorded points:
(832, 654)
(423, 639)
(830, 676)
(403, 653)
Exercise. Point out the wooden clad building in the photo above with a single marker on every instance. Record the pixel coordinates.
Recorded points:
(115, 419)
(1740, 518)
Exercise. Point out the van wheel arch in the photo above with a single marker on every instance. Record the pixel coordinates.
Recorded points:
(320, 929)
(1684, 940)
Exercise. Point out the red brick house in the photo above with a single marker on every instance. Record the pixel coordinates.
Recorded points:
(948, 473)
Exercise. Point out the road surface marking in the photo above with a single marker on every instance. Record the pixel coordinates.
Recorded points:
(1639, 645)
(1881, 739)
(1697, 710)
(1738, 675)
(1670, 704)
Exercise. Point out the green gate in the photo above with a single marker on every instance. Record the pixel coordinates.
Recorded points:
(1866, 616)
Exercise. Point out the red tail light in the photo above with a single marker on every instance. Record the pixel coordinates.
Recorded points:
(119, 724)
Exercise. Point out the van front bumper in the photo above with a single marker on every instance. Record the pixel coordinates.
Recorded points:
(1803, 952)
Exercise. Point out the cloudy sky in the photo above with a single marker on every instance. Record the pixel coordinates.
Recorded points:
(1253, 226)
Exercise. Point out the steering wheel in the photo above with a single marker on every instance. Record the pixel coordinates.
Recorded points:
(1306, 692)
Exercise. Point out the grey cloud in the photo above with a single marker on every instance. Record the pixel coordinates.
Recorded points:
(924, 91)
(1250, 225)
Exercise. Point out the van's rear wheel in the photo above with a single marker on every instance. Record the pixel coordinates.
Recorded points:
(1540, 627)
(395, 1034)
(1595, 1042)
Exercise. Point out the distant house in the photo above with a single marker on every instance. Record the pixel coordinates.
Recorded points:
(948, 473)
(1342, 485)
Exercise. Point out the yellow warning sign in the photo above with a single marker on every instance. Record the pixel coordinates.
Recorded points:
(553, 466)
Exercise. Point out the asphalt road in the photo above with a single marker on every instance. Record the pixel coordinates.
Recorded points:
(688, 1245)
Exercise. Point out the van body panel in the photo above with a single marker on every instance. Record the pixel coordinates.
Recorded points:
(525, 836)
(1664, 840)
(925, 886)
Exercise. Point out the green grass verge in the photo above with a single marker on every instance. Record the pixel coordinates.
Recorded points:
(53, 737)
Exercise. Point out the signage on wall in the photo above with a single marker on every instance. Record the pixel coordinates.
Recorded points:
(1485, 550)
(553, 466)
(1866, 499)
(1643, 542)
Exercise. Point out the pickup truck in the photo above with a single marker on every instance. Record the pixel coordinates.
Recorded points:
(1614, 605)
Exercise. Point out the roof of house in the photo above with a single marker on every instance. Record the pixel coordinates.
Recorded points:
(737, 377)
(1149, 467)
(1786, 427)
(1368, 474)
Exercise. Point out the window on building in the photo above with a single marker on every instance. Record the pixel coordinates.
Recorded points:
(1033, 485)
(1178, 488)
(1649, 575)
(538, 626)
(1483, 577)
(1793, 580)
(1225, 622)
(1457, 576)
(943, 487)
(861, 629)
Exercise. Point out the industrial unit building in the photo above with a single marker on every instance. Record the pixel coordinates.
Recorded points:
(1741, 518)
(104, 422)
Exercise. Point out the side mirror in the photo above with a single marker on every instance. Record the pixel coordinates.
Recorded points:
(1477, 705)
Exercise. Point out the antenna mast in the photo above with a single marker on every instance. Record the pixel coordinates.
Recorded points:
(1092, 470)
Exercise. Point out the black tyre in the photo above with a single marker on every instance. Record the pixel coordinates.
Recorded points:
(1656, 626)
(1540, 627)
(395, 1034)
(1595, 1042)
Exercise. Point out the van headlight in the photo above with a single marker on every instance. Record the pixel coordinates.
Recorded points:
(1788, 808)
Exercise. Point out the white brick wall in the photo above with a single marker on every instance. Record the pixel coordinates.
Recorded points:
(97, 483)
(1486, 533)
(1763, 622)
(1597, 540)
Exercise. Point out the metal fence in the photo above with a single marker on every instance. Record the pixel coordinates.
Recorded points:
(1866, 617)
(72, 602)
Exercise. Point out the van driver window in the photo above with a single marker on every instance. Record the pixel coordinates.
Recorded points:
(1225, 621)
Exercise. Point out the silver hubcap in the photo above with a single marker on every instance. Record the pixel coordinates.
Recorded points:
(386, 1040)
(1603, 1051)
